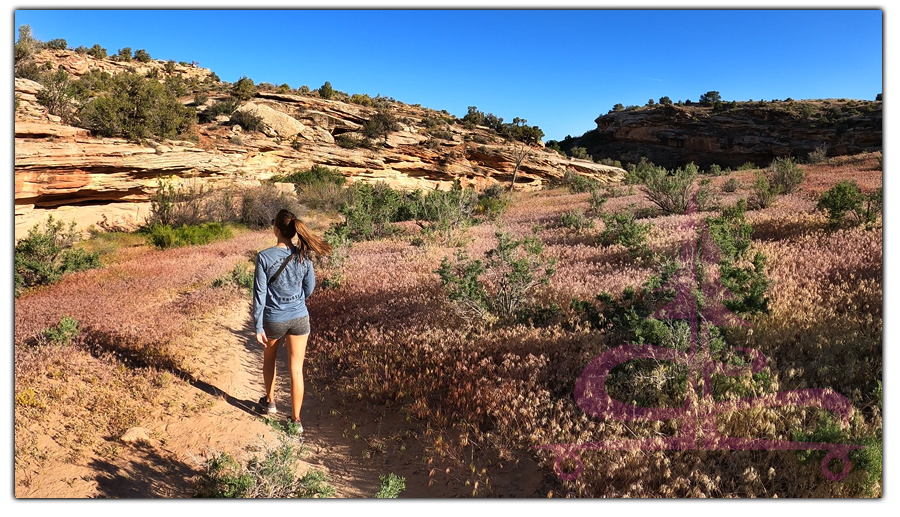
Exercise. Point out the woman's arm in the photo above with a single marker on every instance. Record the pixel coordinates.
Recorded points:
(309, 280)
(259, 294)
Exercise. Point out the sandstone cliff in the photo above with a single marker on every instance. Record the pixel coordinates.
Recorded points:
(67, 172)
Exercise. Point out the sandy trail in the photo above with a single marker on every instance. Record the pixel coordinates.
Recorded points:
(354, 444)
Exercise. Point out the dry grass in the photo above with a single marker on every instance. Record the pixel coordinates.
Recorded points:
(489, 394)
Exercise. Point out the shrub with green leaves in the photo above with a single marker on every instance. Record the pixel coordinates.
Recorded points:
(222, 107)
(164, 236)
(47, 253)
(381, 125)
(441, 213)
(637, 173)
(142, 56)
(391, 486)
(576, 183)
(326, 91)
(243, 89)
(741, 272)
(673, 191)
(623, 228)
(62, 333)
(58, 94)
(580, 153)
(763, 191)
(137, 108)
(818, 155)
(267, 477)
(846, 196)
(497, 289)
(241, 276)
(493, 202)
(785, 175)
(371, 210)
(318, 187)
(247, 120)
(576, 220)
(731, 185)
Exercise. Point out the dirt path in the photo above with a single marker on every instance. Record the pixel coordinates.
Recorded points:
(354, 445)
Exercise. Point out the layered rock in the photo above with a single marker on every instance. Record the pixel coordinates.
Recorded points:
(673, 136)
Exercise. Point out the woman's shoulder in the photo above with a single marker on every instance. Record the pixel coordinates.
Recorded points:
(273, 252)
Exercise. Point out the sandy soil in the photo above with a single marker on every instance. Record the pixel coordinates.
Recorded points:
(353, 444)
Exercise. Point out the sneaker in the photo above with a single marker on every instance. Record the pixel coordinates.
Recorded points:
(267, 407)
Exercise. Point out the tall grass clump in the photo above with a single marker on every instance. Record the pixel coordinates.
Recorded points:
(47, 253)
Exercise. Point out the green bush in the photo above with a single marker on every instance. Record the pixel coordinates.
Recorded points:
(270, 476)
(623, 228)
(124, 54)
(517, 267)
(223, 107)
(142, 56)
(371, 210)
(164, 236)
(56, 44)
(136, 108)
(97, 52)
(348, 141)
(785, 176)
(243, 89)
(441, 213)
(44, 255)
(576, 220)
(579, 152)
(748, 166)
(637, 173)
(318, 187)
(62, 333)
(576, 183)
(846, 196)
(380, 125)
(241, 276)
(247, 120)
(763, 191)
(259, 205)
(58, 95)
(731, 185)
(819, 155)
(672, 192)
(326, 91)
(391, 486)
(493, 202)
(741, 273)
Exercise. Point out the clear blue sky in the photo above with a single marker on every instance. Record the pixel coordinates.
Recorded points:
(557, 69)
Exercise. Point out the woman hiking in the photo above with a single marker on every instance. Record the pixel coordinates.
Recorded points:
(282, 282)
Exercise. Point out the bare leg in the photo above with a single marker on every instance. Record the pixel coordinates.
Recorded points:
(270, 353)
(296, 352)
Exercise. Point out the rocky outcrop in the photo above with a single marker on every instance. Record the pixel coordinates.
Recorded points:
(673, 136)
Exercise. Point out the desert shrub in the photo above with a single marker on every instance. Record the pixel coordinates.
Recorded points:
(763, 191)
(56, 44)
(58, 94)
(576, 220)
(91, 84)
(598, 200)
(637, 173)
(259, 205)
(610, 162)
(747, 166)
(362, 99)
(124, 54)
(623, 228)
(136, 108)
(223, 107)
(673, 192)
(62, 333)
(164, 236)
(247, 120)
(819, 155)
(243, 89)
(441, 213)
(326, 91)
(576, 183)
(47, 253)
(142, 56)
(785, 175)
(716, 170)
(443, 135)
(731, 185)
(380, 125)
(318, 187)
(169, 67)
(390, 486)
(741, 272)
(97, 52)
(511, 272)
(846, 196)
(271, 476)
(241, 276)
(493, 202)
(371, 210)
(579, 152)
(349, 141)
(200, 98)
(174, 84)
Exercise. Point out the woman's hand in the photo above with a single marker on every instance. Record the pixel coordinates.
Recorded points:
(262, 339)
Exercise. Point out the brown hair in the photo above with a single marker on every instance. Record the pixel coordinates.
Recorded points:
(288, 224)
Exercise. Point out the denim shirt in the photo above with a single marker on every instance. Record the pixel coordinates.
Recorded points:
(285, 299)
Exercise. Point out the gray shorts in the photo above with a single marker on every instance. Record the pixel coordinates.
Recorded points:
(294, 327)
